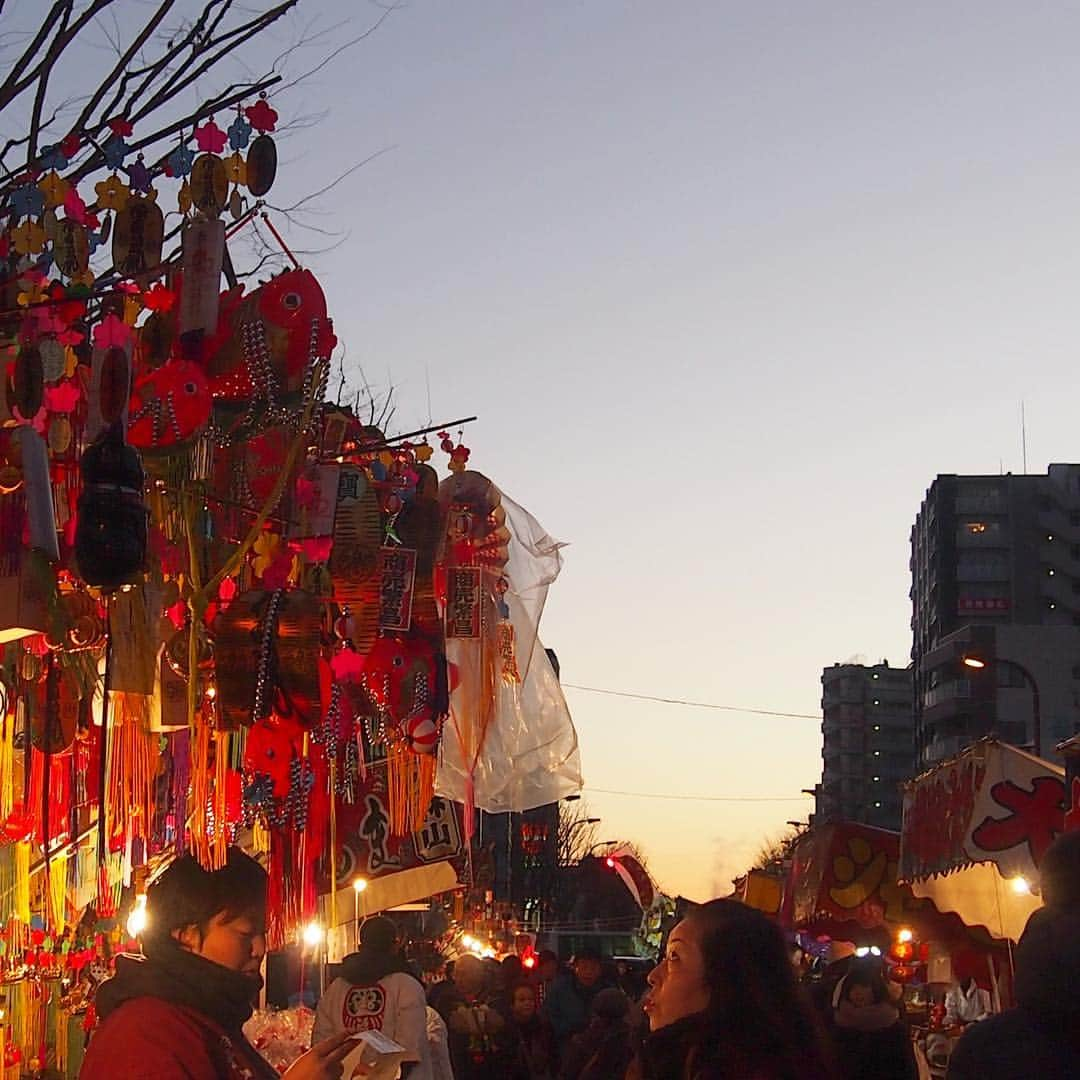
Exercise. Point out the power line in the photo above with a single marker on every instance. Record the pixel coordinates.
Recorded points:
(692, 704)
(697, 798)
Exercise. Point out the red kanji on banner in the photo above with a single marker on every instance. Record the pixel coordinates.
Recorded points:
(1037, 817)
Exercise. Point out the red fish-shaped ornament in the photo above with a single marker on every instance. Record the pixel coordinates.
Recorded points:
(265, 342)
(168, 406)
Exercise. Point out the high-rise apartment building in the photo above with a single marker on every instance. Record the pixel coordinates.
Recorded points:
(994, 552)
(867, 751)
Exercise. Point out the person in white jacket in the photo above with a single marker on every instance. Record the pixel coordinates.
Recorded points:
(966, 1003)
(378, 992)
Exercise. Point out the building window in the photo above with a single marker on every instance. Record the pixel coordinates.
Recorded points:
(975, 527)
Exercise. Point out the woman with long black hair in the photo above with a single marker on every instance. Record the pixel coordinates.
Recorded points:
(724, 1004)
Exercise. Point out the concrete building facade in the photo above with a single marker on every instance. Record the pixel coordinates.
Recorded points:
(867, 747)
(990, 555)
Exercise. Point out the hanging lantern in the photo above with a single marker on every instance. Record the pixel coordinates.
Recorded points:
(111, 533)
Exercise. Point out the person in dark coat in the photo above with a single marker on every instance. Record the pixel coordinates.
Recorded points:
(871, 1038)
(178, 1011)
(607, 1046)
(724, 1004)
(567, 1002)
(537, 1053)
(482, 1046)
(1041, 1036)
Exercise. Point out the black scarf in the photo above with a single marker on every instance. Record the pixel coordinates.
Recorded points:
(182, 978)
(369, 965)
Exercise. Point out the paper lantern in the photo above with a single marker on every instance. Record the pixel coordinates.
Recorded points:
(422, 735)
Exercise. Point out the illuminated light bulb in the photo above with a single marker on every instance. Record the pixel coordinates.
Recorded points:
(136, 921)
(1020, 886)
(313, 934)
(905, 935)
(360, 884)
(467, 941)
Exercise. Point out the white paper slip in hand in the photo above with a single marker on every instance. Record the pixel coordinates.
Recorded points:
(377, 1055)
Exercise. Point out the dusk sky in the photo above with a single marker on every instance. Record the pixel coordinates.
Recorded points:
(727, 285)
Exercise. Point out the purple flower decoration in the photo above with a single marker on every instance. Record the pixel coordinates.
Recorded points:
(139, 176)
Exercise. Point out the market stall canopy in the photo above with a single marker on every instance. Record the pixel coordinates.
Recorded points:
(843, 881)
(975, 830)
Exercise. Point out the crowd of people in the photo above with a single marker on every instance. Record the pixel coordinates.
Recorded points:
(723, 1003)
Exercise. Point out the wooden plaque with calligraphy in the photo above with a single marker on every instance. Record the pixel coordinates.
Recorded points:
(397, 577)
(463, 602)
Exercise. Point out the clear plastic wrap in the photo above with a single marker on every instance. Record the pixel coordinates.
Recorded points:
(510, 743)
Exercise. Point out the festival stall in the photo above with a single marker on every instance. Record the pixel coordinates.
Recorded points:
(231, 609)
(975, 830)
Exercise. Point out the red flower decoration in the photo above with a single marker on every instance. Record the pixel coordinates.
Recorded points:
(111, 332)
(158, 298)
(74, 206)
(261, 116)
(121, 127)
(70, 145)
(209, 138)
(63, 397)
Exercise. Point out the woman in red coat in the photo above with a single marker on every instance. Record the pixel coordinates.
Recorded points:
(177, 1012)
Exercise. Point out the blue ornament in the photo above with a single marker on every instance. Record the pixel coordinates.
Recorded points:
(239, 133)
(27, 201)
(115, 150)
(180, 160)
(52, 157)
(378, 471)
(44, 261)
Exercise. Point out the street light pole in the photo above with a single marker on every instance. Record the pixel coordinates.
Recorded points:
(978, 664)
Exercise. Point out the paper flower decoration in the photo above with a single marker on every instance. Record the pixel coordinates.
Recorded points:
(180, 160)
(459, 459)
(111, 332)
(121, 126)
(54, 187)
(112, 193)
(115, 150)
(33, 293)
(266, 550)
(209, 138)
(27, 201)
(239, 133)
(424, 452)
(159, 298)
(139, 176)
(63, 397)
(75, 206)
(70, 146)
(28, 238)
(53, 157)
(262, 117)
(236, 168)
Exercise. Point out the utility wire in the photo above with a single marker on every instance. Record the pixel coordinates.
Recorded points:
(698, 798)
(691, 704)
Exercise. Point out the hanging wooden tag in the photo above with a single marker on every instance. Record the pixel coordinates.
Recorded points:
(71, 249)
(261, 165)
(53, 359)
(463, 602)
(203, 254)
(110, 388)
(138, 236)
(209, 184)
(29, 386)
(397, 576)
